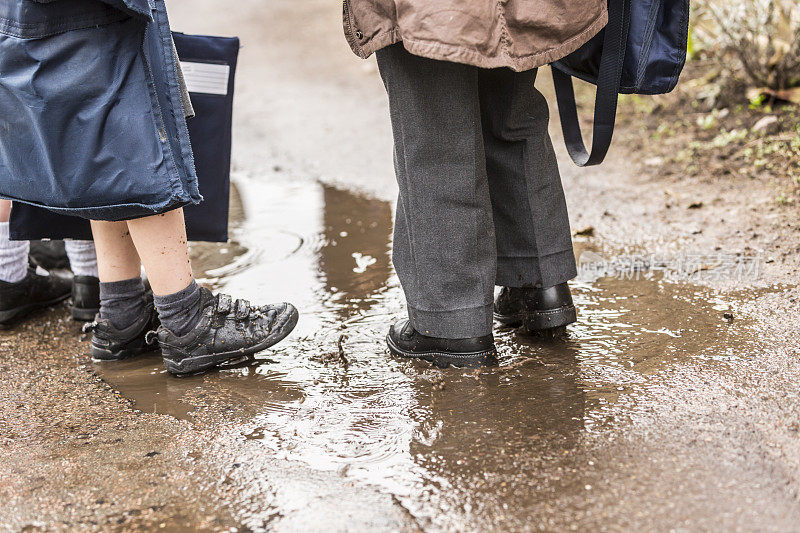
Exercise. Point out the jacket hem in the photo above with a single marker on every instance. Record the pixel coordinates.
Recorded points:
(115, 212)
(459, 54)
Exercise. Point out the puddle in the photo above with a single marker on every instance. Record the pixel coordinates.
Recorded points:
(443, 442)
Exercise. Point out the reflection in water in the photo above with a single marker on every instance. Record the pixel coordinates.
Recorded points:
(354, 259)
(461, 449)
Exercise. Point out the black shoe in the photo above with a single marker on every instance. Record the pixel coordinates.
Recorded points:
(405, 341)
(85, 298)
(542, 311)
(18, 300)
(227, 331)
(112, 344)
(49, 254)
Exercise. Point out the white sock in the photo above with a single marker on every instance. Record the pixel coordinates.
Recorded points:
(13, 257)
(82, 257)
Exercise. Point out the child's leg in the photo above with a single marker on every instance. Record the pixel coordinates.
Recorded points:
(82, 257)
(444, 248)
(198, 330)
(119, 270)
(13, 254)
(169, 270)
(158, 242)
(534, 242)
(117, 258)
(85, 285)
(161, 244)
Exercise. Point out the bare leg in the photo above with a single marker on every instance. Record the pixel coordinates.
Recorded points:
(117, 259)
(164, 251)
(158, 242)
(5, 210)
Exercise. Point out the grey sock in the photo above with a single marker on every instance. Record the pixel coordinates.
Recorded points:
(121, 302)
(179, 312)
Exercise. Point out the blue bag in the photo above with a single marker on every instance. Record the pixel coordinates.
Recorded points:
(91, 119)
(642, 50)
(209, 67)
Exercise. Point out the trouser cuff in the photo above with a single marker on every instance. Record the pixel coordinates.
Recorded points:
(544, 271)
(458, 324)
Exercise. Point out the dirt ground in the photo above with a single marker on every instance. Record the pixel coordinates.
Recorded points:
(673, 405)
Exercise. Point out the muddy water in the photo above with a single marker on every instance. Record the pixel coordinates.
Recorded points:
(456, 447)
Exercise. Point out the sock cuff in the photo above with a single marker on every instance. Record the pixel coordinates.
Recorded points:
(5, 236)
(75, 246)
(176, 296)
(13, 257)
(82, 257)
(121, 289)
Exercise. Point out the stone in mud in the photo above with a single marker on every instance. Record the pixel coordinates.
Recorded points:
(768, 125)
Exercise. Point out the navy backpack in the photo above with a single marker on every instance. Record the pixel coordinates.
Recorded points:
(642, 50)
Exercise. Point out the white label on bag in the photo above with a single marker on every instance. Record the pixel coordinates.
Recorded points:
(208, 78)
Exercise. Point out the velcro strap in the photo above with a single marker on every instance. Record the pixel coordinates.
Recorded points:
(242, 309)
(224, 304)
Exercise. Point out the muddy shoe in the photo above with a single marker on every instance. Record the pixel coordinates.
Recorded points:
(227, 331)
(405, 341)
(112, 344)
(36, 291)
(85, 298)
(545, 312)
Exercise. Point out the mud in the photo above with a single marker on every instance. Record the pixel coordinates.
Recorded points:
(446, 444)
(672, 405)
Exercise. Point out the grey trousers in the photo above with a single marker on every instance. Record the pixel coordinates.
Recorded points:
(481, 202)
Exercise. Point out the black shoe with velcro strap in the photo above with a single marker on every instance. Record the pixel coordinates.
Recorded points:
(227, 332)
(112, 344)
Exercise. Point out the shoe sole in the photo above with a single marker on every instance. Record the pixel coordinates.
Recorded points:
(84, 315)
(444, 360)
(549, 324)
(12, 316)
(100, 355)
(202, 363)
(551, 319)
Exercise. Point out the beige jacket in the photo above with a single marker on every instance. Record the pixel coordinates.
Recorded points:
(519, 34)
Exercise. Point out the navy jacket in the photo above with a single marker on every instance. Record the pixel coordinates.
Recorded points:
(91, 120)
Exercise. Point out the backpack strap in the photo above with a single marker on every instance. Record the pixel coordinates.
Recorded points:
(608, 85)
